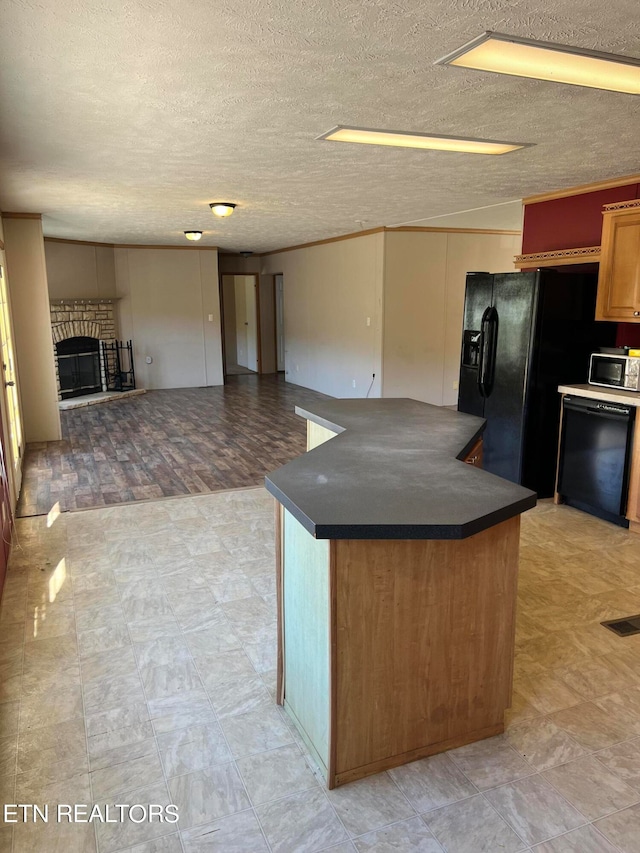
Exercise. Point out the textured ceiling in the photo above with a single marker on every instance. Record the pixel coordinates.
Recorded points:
(122, 120)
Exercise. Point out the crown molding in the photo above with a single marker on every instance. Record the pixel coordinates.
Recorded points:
(440, 230)
(79, 242)
(388, 229)
(127, 245)
(612, 183)
(8, 214)
(352, 236)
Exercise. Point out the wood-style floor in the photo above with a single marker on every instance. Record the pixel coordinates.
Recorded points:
(167, 443)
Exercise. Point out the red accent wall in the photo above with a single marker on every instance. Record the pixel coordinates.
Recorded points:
(571, 222)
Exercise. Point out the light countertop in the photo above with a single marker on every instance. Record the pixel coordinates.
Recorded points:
(596, 392)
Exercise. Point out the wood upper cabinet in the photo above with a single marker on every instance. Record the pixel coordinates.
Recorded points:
(619, 280)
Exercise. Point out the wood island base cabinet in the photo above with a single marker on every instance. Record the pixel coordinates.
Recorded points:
(393, 650)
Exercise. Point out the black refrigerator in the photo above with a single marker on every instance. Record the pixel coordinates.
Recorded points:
(524, 334)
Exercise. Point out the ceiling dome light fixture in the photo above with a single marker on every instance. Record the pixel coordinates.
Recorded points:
(222, 208)
(193, 235)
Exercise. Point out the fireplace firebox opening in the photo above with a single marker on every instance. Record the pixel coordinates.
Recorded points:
(78, 366)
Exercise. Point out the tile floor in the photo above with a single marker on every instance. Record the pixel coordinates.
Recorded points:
(137, 658)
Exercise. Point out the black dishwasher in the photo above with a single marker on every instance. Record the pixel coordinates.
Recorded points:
(594, 457)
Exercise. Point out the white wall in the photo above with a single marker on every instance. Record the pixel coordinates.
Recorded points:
(27, 277)
(423, 304)
(329, 291)
(166, 297)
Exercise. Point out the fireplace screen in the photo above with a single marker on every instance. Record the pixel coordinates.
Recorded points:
(78, 366)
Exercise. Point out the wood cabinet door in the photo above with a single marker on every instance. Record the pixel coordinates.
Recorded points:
(619, 281)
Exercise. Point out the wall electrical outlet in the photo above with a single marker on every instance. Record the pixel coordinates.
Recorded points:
(455, 385)
(368, 321)
(353, 383)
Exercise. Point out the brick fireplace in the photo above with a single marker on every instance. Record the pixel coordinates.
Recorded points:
(83, 318)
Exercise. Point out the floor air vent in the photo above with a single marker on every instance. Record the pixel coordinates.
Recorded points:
(624, 627)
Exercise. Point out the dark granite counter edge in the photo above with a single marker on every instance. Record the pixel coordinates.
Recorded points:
(323, 422)
(400, 531)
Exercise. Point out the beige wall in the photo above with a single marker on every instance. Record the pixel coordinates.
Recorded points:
(166, 298)
(329, 292)
(228, 263)
(80, 271)
(423, 304)
(27, 277)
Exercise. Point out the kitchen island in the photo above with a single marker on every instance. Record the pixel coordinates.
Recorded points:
(397, 569)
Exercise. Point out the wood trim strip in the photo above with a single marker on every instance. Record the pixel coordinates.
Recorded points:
(427, 228)
(558, 257)
(87, 300)
(279, 519)
(323, 242)
(581, 189)
(126, 245)
(256, 285)
(386, 228)
(557, 498)
(633, 499)
(153, 246)
(79, 242)
(333, 665)
(631, 204)
(8, 214)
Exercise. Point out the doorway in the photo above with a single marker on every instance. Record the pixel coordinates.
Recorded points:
(13, 421)
(241, 329)
(278, 285)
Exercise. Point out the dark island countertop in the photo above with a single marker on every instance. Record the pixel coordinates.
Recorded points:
(394, 472)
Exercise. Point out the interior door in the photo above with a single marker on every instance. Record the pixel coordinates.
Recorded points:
(11, 408)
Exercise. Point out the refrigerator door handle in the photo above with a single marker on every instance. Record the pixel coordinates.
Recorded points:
(486, 368)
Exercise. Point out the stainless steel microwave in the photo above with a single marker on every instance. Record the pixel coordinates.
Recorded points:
(615, 371)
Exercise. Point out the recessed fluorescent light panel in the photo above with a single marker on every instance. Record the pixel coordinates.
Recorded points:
(543, 60)
(432, 141)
